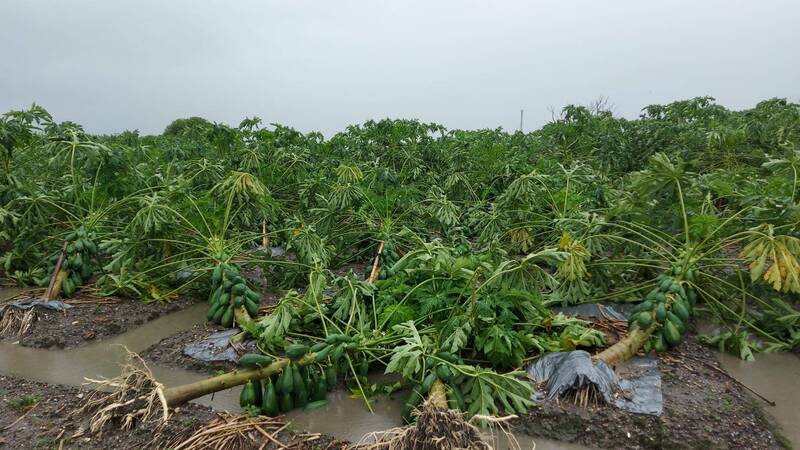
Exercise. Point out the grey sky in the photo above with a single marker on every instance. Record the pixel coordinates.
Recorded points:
(314, 65)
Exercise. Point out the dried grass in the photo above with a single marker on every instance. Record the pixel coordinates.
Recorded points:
(233, 432)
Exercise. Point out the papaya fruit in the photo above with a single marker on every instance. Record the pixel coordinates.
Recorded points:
(284, 383)
(254, 360)
(661, 313)
(251, 307)
(286, 403)
(680, 310)
(317, 347)
(296, 351)
(671, 333)
(428, 382)
(270, 405)
(227, 317)
(317, 404)
(444, 373)
(331, 377)
(248, 395)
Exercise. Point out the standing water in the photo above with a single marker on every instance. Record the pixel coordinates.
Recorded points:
(776, 376)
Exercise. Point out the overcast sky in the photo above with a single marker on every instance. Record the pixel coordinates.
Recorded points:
(322, 65)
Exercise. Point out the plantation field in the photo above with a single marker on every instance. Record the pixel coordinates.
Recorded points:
(439, 257)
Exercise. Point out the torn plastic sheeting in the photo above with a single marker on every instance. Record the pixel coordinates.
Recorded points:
(639, 386)
(214, 348)
(55, 305)
(635, 388)
(565, 371)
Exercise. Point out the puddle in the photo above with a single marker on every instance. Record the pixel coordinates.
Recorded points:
(344, 418)
(776, 376)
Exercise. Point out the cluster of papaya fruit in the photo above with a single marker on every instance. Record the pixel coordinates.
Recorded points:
(455, 384)
(667, 308)
(230, 290)
(77, 261)
(297, 385)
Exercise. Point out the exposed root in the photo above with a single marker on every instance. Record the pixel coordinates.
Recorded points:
(585, 397)
(133, 396)
(238, 432)
(17, 321)
(439, 428)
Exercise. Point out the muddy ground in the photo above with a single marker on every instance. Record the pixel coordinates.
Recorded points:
(38, 416)
(703, 408)
(90, 320)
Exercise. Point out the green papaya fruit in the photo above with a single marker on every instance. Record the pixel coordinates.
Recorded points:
(300, 397)
(334, 339)
(320, 389)
(316, 405)
(212, 312)
(671, 334)
(296, 351)
(680, 310)
(660, 344)
(227, 317)
(251, 307)
(338, 352)
(286, 403)
(217, 318)
(428, 382)
(675, 320)
(363, 368)
(284, 384)
(254, 360)
(253, 296)
(444, 373)
(331, 377)
(317, 347)
(216, 276)
(298, 382)
(322, 354)
(248, 395)
(270, 405)
(661, 313)
(414, 399)
(644, 319)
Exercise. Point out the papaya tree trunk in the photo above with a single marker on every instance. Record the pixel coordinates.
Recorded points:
(373, 275)
(625, 348)
(178, 395)
(264, 237)
(438, 395)
(54, 280)
(56, 290)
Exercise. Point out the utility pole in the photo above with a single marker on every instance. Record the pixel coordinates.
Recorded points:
(521, 113)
